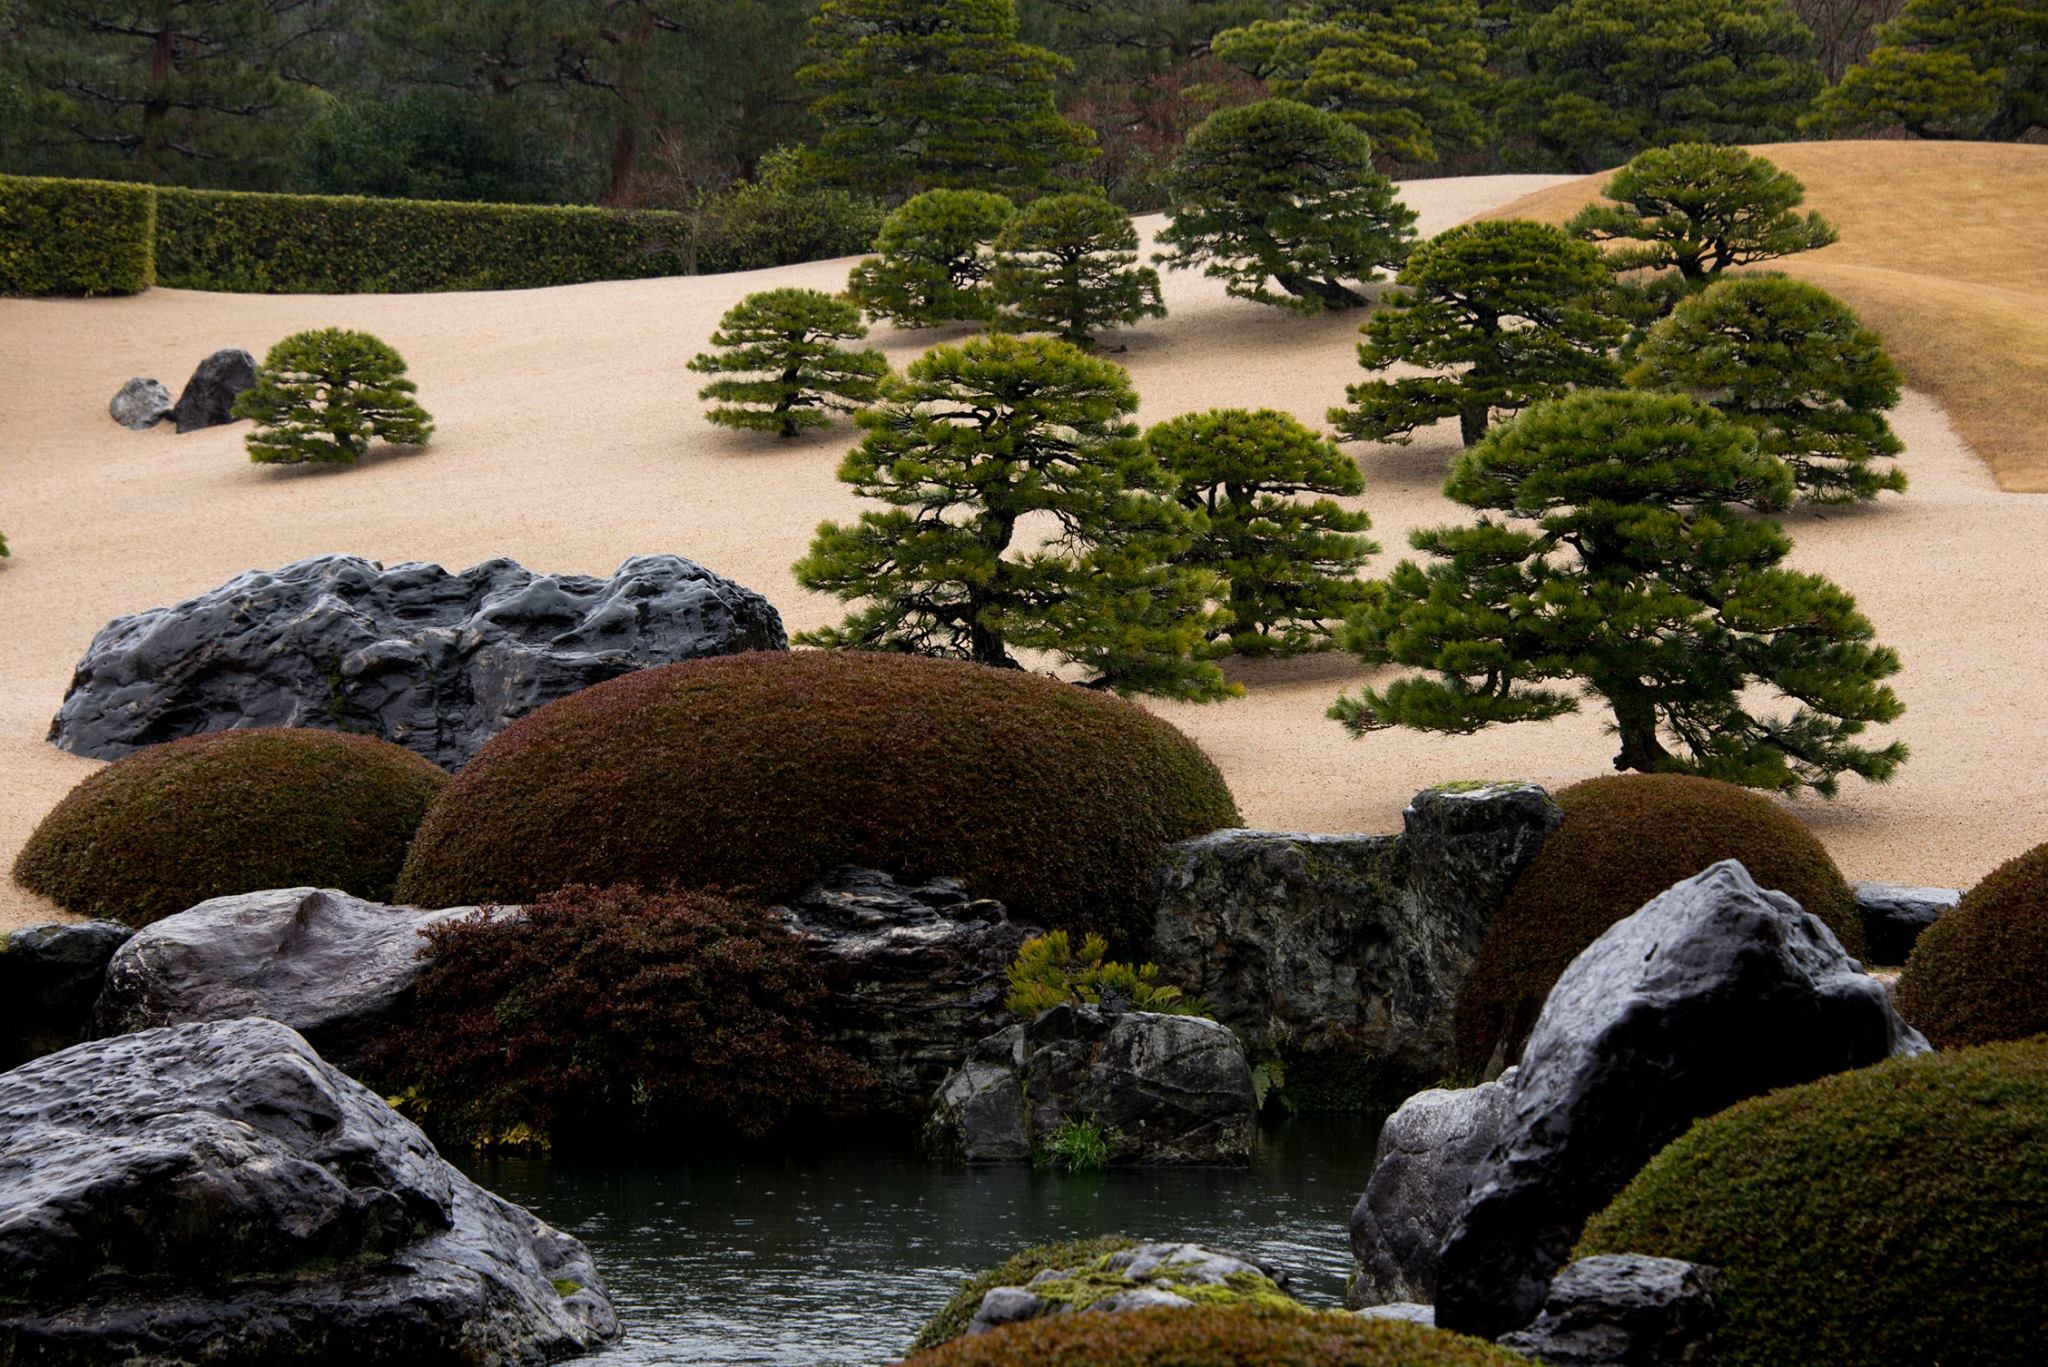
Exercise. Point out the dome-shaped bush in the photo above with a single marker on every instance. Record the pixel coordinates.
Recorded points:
(762, 772)
(1215, 1338)
(1897, 1214)
(1624, 839)
(231, 811)
(1980, 973)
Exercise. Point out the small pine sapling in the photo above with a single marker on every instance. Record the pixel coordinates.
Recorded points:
(1068, 265)
(932, 260)
(325, 396)
(782, 366)
(1050, 972)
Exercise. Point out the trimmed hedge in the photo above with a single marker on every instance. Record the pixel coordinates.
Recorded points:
(952, 1319)
(172, 825)
(1217, 1338)
(1979, 974)
(762, 772)
(76, 236)
(1896, 1214)
(1624, 839)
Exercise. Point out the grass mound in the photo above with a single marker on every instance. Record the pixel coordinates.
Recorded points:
(762, 772)
(1623, 840)
(232, 811)
(1215, 1338)
(1890, 1215)
(1979, 974)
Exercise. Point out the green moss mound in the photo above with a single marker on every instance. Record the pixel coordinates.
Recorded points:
(1215, 1338)
(1623, 840)
(951, 1321)
(762, 772)
(232, 811)
(1897, 1214)
(1979, 974)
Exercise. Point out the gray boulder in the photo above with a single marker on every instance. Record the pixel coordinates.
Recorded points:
(437, 662)
(333, 967)
(140, 405)
(1408, 1312)
(218, 1193)
(1715, 991)
(1145, 1277)
(1421, 1176)
(49, 978)
(208, 399)
(1165, 1089)
(1894, 916)
(1347, 949)
(1624, 1310)
(917, 974)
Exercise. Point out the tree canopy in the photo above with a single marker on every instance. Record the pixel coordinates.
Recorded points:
(1949, 69)
(1068, 264)
(781, 366)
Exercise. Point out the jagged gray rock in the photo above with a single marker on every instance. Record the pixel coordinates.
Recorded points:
(335, 968)
(1165, 1089)
(1715, 991)
(1347, 947)
(50, 976)
(917, 973)
(1624, 1310)
(218, 1193)
(1421, 1177)
(1144, 1277)
(140, 404)
(208, 398)
(1894, 916)
(437, 662)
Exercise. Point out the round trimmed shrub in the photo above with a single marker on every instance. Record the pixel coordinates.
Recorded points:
(762, 772)
(1624, 839)
(1979, 974)
(172, 825)
(1894, 1214)
(1216, 1338)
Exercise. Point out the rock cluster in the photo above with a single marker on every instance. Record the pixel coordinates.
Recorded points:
(1145, 1277)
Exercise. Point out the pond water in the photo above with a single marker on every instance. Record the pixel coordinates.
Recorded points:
(836, 1261)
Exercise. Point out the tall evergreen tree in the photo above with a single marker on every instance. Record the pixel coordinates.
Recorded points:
(1949, 69)
(1068, 264)
(781, 366)
(932, 260)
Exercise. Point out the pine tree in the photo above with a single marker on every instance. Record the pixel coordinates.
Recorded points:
(1407, 72)
(325, 396)
(933, 262)
(792, 374)
(1068, 264)
(1502, 312)
(1948, 69)
(1023, 515)
(1794, 364)
(1290, 562)
(936, 94)
(1280, 192)
(1613, 556)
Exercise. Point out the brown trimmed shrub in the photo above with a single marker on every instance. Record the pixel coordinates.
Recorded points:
(615, 1012)
(1624, 839)
(761, 772)
(1979, 974)
(227, 812)
(1216, 1338)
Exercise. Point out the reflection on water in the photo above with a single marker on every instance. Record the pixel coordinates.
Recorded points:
(835, 1261)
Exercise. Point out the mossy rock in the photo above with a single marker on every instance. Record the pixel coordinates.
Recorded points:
(1896, 1214)
(1214, 1337)
(762, 772)
(1624, 839)
(951, 1321)
(228, 812)
(1979, 974)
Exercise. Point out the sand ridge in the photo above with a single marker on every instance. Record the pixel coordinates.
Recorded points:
(570, 438)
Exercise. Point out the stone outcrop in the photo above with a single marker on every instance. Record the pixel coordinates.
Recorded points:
(1164, 1089)
(1347, 947)
(333, 967)
(437, 662)
(208, 399)
(1894, 916)
(140, 404)
(50, 976)
(1421, 1177)
(917, 974)
(1624, 1310)
(1715, 991)
(218, 1193)
(1145, 1277)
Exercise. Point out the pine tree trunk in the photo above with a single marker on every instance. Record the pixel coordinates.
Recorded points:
(1635, 718)
(156, 108)
(1472, 420)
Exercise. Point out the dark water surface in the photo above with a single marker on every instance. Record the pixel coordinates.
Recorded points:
(836, 1261)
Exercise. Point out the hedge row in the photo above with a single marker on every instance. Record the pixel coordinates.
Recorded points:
(88, 237)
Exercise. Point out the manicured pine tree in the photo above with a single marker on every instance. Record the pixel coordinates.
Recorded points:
(325, 396)
(1068, 264)
(1502, 313)
(1280, 192)
(933, 260)
(1609, 555)
(1286, 550)
(1948, 69)
(1794, 364)
(784, 366)
(1024, 514)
